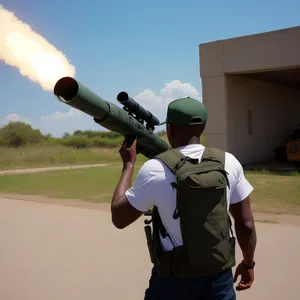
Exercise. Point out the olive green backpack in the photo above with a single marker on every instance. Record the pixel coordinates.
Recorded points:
(208, 241)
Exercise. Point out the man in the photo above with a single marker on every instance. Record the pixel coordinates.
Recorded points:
(185, 122)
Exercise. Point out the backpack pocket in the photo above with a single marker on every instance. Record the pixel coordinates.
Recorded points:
(206, 192)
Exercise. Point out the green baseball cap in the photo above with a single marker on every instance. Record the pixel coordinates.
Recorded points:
(186, 111)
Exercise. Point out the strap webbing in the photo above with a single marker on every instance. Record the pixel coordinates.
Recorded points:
(171, 158)
(217, 154)
(214, 154)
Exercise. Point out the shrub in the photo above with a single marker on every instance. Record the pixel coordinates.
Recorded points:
(18, 134)
(77, 142)
(98, 142)
(80, 142)
(99, 134)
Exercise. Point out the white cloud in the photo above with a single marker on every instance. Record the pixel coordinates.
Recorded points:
(60, 122)
(72, 119)
(58, 115)
(171, 91)
(158, 104)
(148, 99)
(13, 117)
(177, 89)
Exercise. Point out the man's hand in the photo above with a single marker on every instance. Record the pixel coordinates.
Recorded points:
(128, 155)
(247, 277)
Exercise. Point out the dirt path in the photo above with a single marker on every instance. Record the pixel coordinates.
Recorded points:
(57, 252)
(49, 169)
(63, 202)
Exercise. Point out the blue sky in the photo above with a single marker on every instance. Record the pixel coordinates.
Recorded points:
(148, 48)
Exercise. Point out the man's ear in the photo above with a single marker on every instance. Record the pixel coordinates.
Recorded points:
(170, 134)
(169, 130)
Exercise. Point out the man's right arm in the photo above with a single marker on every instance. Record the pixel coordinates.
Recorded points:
(245, 229)
(240, 209)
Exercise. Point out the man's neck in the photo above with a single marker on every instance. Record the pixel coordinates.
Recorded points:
(192, 141)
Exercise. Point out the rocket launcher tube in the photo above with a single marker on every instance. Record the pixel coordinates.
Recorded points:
(71, 92)
(109, 115)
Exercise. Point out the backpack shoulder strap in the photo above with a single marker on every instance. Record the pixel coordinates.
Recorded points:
(172, 158)
(214, 154)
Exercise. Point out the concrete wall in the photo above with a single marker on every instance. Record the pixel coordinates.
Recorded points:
(275, 114)
(214, 93)
(259, 52)
(274, 109)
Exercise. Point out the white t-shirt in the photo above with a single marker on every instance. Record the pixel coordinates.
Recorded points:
(152, 187)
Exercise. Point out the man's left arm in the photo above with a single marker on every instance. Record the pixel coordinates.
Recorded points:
(123, 212)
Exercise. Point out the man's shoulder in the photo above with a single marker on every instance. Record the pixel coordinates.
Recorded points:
(155, 169)
(153, 164)
(232, 164)
(229, 157)
(233, 167)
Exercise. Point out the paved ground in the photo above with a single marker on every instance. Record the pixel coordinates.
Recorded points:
(49, 251)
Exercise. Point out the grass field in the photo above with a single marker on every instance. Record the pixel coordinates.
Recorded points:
(93, 184)
(56, 155)
(273, 193)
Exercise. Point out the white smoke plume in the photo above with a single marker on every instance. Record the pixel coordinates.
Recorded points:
(31, 53)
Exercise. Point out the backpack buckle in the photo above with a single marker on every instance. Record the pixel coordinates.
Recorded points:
(184, 160)
(180, 163)
(176, 213)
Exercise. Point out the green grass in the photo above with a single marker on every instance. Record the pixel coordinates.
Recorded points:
(93, 184)
(272, 194)
(56, 155)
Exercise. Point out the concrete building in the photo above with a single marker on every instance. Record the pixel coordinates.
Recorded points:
(251, 87)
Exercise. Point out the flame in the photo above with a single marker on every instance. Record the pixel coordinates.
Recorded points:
(30, 53)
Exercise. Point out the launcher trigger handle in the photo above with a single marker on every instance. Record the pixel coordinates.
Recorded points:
(128, 141)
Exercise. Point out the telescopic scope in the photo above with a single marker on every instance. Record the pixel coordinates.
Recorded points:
(137, 109)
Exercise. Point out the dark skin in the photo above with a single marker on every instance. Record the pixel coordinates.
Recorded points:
(246, 236)
(124, 214)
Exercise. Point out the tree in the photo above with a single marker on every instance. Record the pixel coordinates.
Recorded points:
(66, 135)
(18, 134)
